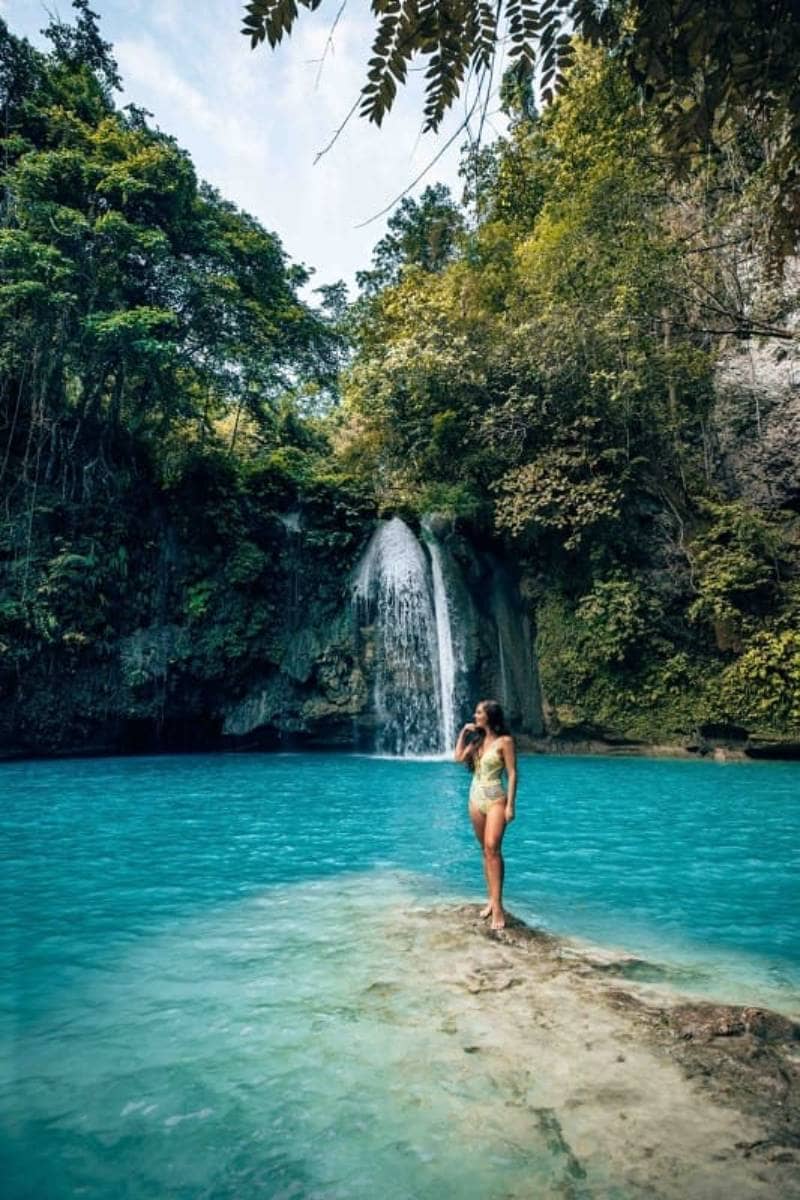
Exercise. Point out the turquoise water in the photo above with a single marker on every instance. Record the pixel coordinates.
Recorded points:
(195, 951)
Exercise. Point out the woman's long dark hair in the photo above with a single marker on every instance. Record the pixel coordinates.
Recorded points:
(497, 724)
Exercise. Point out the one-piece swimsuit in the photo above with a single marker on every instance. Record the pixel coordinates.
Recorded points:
(486, 788)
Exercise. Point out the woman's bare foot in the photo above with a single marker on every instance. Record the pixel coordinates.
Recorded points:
(498, 921)
(486, 912)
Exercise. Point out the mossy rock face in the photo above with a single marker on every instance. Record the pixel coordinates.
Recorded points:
(302, 650)
(771, 747)
(762, 380)
(271, 704)
(147, 655)
(642, 695)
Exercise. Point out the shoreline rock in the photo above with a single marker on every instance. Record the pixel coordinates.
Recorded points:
(338, 741)
(734, 1059)
(696, 749)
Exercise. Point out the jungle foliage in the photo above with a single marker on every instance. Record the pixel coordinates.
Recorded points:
(158, 370)
(709, 68)
(191, 455)
(553, 383)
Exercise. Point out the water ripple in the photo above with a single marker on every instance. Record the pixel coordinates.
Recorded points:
(176, 935)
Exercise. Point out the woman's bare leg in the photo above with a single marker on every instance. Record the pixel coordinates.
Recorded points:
(495, 827)
(479, 825)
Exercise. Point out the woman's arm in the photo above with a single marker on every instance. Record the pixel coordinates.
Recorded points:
(510, 759)
(460, 752)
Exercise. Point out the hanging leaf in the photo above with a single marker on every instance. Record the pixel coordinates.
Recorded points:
(728, 64)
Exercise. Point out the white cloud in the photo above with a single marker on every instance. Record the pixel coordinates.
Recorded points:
(254, 121)
(151, 71)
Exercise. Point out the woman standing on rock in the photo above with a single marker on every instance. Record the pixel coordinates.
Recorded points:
(487, 748)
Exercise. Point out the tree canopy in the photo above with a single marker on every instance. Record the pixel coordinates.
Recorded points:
(191, 455)
(157, 365)
(421, 233)
(709, 68)
(132, 296)
(554, 381)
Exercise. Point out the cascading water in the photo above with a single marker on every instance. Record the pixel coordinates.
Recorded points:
(392, 590)
(440, 627)
(444, 639)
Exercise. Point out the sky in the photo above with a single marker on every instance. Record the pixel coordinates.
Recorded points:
(254, 121)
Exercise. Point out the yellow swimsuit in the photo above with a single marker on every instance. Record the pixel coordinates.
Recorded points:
(486, 788)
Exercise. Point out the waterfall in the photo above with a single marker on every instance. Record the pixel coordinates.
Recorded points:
(392, 589)
(438, 625)
(444, 639)
(293, 525)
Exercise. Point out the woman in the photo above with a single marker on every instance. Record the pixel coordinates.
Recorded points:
(488, 750)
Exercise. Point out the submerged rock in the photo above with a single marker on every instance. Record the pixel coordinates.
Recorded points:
(635, 1093)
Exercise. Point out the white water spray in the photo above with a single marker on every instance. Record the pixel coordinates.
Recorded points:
(444, 640)
(392, 588)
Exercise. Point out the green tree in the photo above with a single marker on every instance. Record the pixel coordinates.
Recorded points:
(708, 68)
(423, 233)
(154, 355)
(133, 298)
(552, 384)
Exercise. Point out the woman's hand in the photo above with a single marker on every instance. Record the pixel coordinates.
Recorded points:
(460, 752)
(510, 813)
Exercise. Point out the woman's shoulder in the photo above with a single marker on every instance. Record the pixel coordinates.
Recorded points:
(505, 745)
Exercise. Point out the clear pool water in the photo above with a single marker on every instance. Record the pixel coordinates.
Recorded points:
(193, 949)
